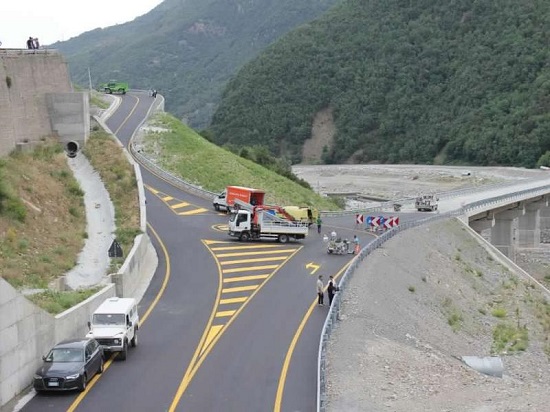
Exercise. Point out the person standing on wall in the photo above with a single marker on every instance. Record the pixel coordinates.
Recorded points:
(320, 293)
(30, 43)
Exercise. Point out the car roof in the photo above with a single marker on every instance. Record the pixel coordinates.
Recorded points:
(73, 343)
(115, 305)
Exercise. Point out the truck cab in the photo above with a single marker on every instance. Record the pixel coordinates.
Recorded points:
(426, 203)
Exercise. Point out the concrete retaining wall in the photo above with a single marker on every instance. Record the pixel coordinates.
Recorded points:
(26, 77)
(69, 116)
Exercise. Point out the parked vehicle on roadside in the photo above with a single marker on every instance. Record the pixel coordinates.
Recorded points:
(115, 325)
(114, 87)
(69, 365)
(426, 203)
(226, 199)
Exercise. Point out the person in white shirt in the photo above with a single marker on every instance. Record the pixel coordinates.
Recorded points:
(320, 293)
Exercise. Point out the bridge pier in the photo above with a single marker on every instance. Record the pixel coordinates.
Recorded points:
(529, 226)
(503, 232)
(544, 217)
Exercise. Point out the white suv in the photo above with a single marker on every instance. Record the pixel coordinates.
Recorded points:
(115, 325)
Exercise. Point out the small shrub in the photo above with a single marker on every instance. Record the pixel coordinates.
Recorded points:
(74, 211)
(507, 338)
(455, 320)
(479, 273)
(8, 82)
(482, 311)
(424, 279)
(412, 289)
(499, 313)
(457, 257)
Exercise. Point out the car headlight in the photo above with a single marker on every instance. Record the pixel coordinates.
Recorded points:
(116, 341)
(72, 377)
(37, 376)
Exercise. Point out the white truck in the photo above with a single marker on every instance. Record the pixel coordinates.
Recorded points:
(255, 222)
(426, 203)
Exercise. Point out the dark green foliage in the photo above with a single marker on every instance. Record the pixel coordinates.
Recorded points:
(430, 81)
(187, 50)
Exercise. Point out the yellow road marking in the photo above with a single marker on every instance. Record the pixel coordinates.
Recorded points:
(193, 212)
(262, 252)
(212, 333)
(167, 198)
(265, 259)
(244, 278)
(286, 362)
(225, 313)
(215, 249)
(178, 205)
(248, 269)
(203, 351)
(233, 300)
(239, 289)
(91, 384)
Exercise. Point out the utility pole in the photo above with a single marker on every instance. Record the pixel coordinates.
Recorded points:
(89, 79)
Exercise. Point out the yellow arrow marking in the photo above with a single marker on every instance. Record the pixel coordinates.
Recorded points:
(313, 266)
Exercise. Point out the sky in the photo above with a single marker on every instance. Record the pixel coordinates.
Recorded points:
(60, 20)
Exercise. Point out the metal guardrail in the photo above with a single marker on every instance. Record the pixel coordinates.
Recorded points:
(334, 310)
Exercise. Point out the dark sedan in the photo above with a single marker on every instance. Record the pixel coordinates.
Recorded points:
(69, 365)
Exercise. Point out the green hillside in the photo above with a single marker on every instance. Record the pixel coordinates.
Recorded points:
(213, 168)
(430, 81)
(186, 49)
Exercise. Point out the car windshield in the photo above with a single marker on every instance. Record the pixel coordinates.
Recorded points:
(65, 355)
(108, 319)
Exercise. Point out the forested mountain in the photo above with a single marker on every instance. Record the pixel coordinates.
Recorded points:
(425, 81)
(186, 49)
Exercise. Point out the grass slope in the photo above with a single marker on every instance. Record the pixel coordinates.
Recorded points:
(186, 154)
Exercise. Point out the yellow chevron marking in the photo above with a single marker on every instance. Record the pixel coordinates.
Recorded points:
(193, 212)
(248, 269)
(178, 205)
(167, 198)
(233, 300)
(244, 247)
(244, 278)
(262, 252)
(214, 330)
(263, 259)
(225, 313)
(211, 242)
(154, 191)
(240, 289)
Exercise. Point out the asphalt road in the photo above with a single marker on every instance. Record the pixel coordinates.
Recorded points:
(225, 325)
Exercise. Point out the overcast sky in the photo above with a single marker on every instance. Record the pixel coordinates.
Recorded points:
(59, 20)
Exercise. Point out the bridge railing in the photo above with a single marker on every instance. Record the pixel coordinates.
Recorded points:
(334, 310)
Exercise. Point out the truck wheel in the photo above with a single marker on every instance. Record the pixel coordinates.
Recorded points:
(244, 237)
(134, 341)
(122, 91)
(108, 91)
(216, 207)
(124, 353)
(283, 238)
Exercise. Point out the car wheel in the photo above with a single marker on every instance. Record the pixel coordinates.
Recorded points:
(100, 369)
(83, 382)
(134, 341)
(124, 353)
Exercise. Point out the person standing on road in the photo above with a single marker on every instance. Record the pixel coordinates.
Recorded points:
(320, 293)
(331, 289)
(319, 223)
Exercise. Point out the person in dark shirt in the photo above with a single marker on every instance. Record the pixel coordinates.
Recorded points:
(30, 43)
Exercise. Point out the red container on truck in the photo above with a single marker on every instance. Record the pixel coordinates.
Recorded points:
(226, 199)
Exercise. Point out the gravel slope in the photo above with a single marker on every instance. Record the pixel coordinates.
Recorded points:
(394, 349)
